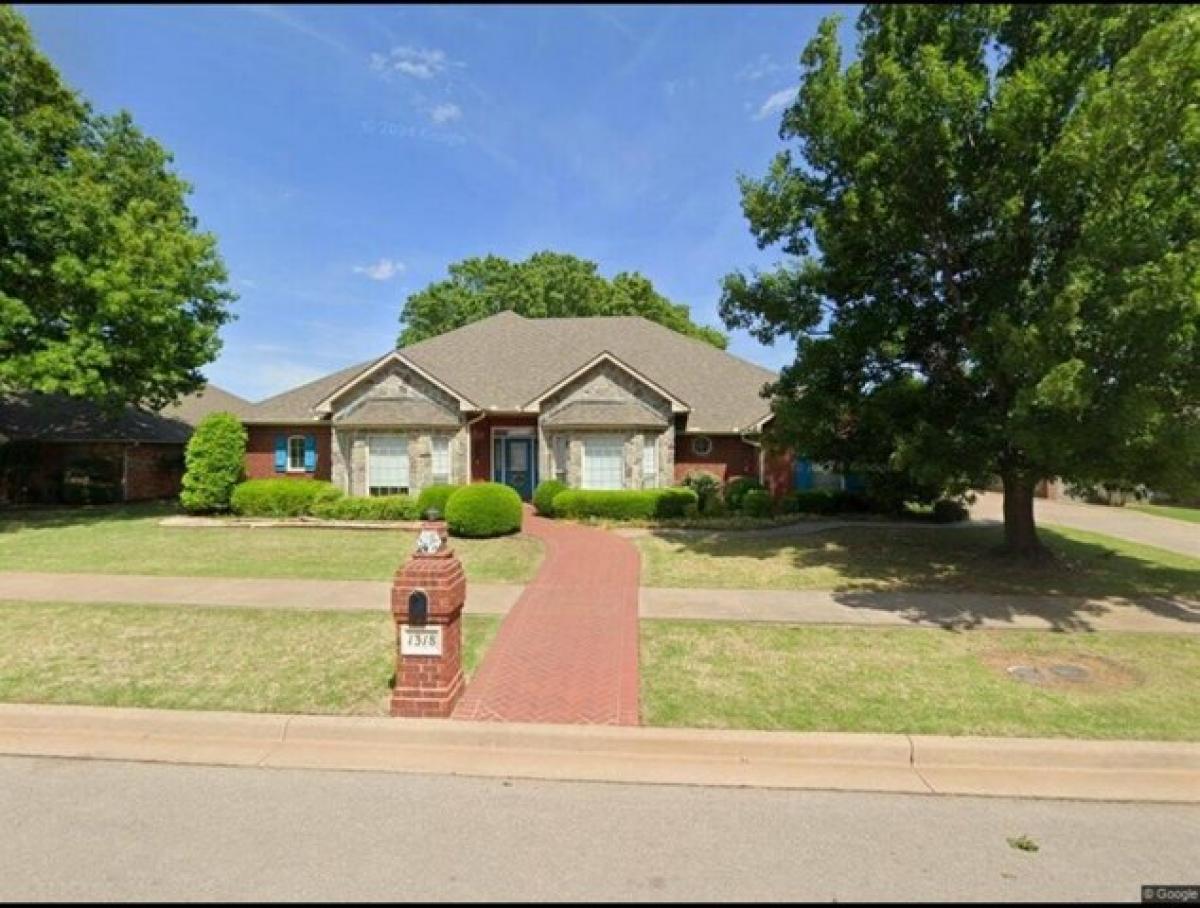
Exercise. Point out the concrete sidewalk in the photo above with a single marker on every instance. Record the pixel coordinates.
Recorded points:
(852, 608)
(1028, 768)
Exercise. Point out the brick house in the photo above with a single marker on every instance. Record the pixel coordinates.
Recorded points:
(46, 438)
(606, 403)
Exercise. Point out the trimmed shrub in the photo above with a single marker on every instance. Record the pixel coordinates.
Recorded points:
(946, 510)
(625, 504)
(543, 496)
(708, 491)
(484, 509)
(757, 503)
(736, 489)
(281, 497)
(381, 507)
(809, 501)
(434, 497)
(214, 460)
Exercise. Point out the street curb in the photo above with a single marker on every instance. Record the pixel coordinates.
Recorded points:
(1004, 767)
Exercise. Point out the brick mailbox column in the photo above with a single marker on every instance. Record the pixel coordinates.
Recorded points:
(428, 594)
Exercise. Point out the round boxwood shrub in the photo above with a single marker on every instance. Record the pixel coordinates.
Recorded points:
(484, 509)
(434, 497)
(757, 503)
(213, 460)
(281, 497)
(736, 489)
(543, 496)
(946, 510)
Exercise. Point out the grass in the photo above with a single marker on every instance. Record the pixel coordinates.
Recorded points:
(913, 558)
(253, 660)
(901, 680)
(128, 540)
(1191, 515)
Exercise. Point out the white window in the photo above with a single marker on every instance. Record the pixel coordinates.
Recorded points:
(387, 465)
(441, 459)
(560, 458)
(650, 463)
(295, 463)
(602, 460)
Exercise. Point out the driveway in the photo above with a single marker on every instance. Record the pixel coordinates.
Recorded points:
(1160, 532)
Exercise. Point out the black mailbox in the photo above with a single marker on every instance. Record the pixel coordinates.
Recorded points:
(418, 607)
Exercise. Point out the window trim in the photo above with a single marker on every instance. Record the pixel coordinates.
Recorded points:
(702, 441)
(649, 472)
(583, 468)
(303, 449)
(439, 477)
(401, 490)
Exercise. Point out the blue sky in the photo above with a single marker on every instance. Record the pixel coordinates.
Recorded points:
(344, 156)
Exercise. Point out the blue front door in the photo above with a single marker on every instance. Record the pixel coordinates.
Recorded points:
(518, 465)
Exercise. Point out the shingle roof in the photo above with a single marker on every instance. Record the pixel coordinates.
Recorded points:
(584, 413)
(58, 417)
(505, 361)
(384, 412)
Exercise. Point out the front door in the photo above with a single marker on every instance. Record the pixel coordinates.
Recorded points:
(518, 465)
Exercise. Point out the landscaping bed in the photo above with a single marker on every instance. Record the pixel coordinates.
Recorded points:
(128, 539)
(919, 681)
(240, 659)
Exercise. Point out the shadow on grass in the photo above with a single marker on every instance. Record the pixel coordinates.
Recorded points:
(959, 579)
(15, 519)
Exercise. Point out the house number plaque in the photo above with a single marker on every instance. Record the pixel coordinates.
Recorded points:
(420, 641)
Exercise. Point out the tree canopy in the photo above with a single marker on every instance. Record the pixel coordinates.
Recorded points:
(107, 288)
(991, 222)
(545, 285)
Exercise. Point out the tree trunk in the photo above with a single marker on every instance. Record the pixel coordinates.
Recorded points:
(1020, 531)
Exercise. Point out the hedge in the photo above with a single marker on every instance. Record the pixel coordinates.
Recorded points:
(381, 507)
(435, 497)
(946, 510)
(281, 497)
(625, 504)
(544, 494)
(826, 501)
(214, 458)
(757, 503)
(484, 509)
(736, 489)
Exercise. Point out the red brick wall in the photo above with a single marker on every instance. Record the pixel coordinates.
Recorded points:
(260, 451)
(729, 457)
(153, 471)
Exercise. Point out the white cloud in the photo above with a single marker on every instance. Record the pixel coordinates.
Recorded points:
(757, 69)
(417, 62)
(383, 270)
(779, 101)
(445, 113)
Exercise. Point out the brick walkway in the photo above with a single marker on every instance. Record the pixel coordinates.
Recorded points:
(568, 650)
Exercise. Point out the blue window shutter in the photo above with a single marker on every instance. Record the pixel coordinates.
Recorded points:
(280, 453)
(310, 453)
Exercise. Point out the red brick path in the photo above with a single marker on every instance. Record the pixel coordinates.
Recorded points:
(568, 650)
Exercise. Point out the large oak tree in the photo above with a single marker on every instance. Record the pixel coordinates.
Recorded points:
(107, 288)
(545, 285)
(991, 218)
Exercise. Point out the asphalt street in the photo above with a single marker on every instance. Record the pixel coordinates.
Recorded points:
(76, 829)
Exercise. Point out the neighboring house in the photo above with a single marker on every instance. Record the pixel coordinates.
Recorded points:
(48, 441)
(599, 403)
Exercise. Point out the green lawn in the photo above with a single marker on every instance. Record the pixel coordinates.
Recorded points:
(1191, 515)
(253, 660)
(914, 558)
(726, 675)
(129, 540)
